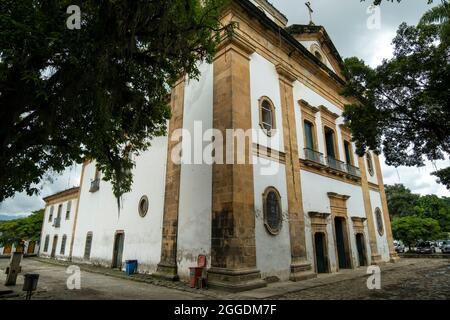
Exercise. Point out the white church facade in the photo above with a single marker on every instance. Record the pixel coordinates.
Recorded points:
(304, 203)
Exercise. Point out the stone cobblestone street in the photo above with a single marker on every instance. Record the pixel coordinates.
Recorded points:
(423, 279)
(417, 279)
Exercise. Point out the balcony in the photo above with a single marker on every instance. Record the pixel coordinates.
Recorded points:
(95, 185)
(336, 164)
(314, 156)
(57, 222)
(353, 171)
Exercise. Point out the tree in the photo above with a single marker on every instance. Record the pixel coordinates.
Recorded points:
(18, 230)
(431, 206)
(401, 202)
(403, 105)
(411, 229)
(99, 92)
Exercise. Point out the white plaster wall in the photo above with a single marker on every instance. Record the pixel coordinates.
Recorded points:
(66, 228)
(315, 198)
(273, 253)
(383, 248)
(264, 81)
(98, 212)
(194, 217)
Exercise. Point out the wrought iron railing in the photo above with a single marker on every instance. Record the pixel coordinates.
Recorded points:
(95, 185)
(315, 156)
(57, 222)
(354, 171)
(336, 164)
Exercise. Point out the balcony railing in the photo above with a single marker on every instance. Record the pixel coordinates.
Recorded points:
(95, 185)
(336, 164)
(57, 222)
(314, 156)
(354, 171)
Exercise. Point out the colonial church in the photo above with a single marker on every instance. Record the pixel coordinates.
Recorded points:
(303, 204)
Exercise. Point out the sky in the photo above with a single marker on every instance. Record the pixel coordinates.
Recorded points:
(356, 30)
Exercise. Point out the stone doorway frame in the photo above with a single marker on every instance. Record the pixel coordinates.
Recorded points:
(319, 222)
(338, 207)
(358, 228)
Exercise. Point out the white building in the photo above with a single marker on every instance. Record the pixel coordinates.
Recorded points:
(58, 224)
(306, 205)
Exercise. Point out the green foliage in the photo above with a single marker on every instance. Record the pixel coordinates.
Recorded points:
(403, 107)
(415, 217)
(410, 229)
(18, 230)
(401, 201)
(97, 93)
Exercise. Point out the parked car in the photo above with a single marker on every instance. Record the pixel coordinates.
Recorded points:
(425, 247)
(442, 243)
(399, 246)
(445, 247)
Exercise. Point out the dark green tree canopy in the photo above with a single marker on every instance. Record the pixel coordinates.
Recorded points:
(99, 92)
(403, 107)
(18, 230)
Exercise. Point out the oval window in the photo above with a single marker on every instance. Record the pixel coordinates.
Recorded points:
(143, 206)
(272, 211)
(379, 220)
(369, 164)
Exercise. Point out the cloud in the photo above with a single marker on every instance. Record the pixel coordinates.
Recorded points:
(21, 203)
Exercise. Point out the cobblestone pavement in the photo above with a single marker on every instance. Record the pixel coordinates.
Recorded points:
(94, 286)
(408, 279)
(411, 279)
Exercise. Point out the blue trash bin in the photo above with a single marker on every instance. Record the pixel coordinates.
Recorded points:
(130, 267)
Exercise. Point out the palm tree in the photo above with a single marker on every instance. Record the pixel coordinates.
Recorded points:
(439, 15)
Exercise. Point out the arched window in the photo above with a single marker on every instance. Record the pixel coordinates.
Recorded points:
(267, 115)
(369, 164)
(273, 217)
(88, 245)
(63, 245)
(379, 221)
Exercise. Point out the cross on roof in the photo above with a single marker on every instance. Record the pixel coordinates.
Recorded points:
(311, 11)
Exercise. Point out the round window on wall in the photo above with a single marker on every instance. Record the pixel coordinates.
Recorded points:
(272, 211)
(379, 220)
(143, 206)
(369, 164)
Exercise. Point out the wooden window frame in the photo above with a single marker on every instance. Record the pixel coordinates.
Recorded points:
(261, 100)
(329, 121)
(335, 147)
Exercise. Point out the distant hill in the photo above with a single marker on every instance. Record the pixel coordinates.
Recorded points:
(4, 217)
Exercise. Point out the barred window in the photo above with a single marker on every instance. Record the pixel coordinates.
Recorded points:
(272, 210)
(379, 221)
